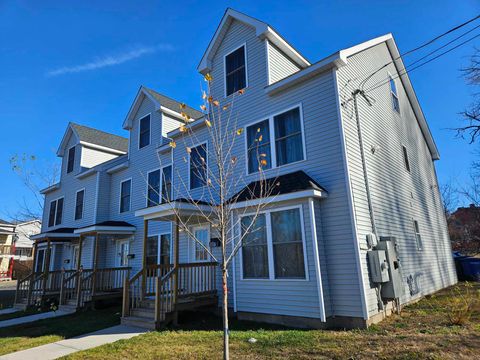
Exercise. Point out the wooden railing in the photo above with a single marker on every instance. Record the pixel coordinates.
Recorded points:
(68, 289)
(110, 279)
(23, 288)
(196, 278)
(7, 249)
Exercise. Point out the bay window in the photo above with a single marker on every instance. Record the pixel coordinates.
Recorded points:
(198, 166)
(55, 212)
(280, 135)
(153, 191)
(273, 246)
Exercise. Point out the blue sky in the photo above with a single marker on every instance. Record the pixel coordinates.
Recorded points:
(83, 61)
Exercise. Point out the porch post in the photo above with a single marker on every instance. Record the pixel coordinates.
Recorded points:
(46, 267)
(95, 260)
(80, 245)
(176, 262)
(144, 257)
(79, 266)
(34, 256)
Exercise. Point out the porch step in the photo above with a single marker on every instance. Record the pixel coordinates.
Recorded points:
(147, 304)
(67, 307)
(138, 321)
(21, 306)
(148, 313)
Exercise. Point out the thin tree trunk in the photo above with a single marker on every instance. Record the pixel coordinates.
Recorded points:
(226, 352)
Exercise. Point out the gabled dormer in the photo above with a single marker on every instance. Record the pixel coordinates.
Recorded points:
(83, 147)
(248, 40)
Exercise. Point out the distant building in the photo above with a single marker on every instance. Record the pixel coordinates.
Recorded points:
(464, 229)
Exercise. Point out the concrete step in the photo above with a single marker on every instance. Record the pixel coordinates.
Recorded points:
(20, 306)
(137, 321)
(144, 312)
(67, 307)
(147, 304)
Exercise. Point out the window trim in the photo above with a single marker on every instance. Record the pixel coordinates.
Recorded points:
(192, 242)
(406, 158)
(76, 204)
(161, 182)
(56, 210)
(271, 129)
(120, 196)
(189, 160)
(68, 158)
(419, 245)
(149, 131)
(225, 69)
(271, 264)
(148, 186)
(159, 235)
(392, 94)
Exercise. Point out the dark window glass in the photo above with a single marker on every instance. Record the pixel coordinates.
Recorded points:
(153, 188)
(258, 147)
(287, 244)
(165, 249)
(254, 247)
(51, 214)
(40, 260)
(144, 137)
(236, 78)
(125, 196)
(166, 184)
(58, 216)
(393, 91)
(288, 137)
(152, 250)
(79, 205)
(71, 160)
(198, 166)
(405, 158)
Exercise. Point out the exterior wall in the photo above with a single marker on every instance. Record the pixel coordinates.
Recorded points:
(279, 65)
(24, 231)
(398, 196)
(92, 157)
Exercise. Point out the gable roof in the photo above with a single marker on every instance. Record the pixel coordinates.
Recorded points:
(100, 139)
(262, 30)
(162, 102)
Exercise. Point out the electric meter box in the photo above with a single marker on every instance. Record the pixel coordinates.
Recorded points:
(394, 288)
(377, 261)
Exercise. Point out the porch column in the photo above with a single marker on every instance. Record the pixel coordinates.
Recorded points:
(95, 263)
(46, 266)
(144, 257)
(34, 255)
(176, 259)
(80, 245)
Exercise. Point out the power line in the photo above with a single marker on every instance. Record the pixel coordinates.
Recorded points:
(363, 82)
(405, 71)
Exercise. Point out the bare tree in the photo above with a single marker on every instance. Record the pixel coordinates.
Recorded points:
(449, 197)
(34, 177)
(472, 113)
(223, 184)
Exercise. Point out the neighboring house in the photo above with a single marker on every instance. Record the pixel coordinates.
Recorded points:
(358, 191)
(15, 244)
(464, 229)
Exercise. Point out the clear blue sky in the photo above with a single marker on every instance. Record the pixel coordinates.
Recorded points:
(83, 61)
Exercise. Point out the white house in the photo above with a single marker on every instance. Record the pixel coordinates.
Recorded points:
(357, 211)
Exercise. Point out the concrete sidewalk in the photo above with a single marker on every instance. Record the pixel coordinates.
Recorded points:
(83, 342)
(8, 311)
(35, 317)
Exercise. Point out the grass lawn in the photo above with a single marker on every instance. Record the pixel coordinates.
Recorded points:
(422, 331)
(20, 337)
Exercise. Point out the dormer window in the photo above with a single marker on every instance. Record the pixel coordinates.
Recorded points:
(71, 159)
(235, 71)
(144, 132)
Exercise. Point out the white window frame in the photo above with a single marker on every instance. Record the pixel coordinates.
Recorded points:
(68, 158)
(273, 149)
(189, 160)
(149, 131)
(192, 243)
(225, 69)
(56, 210)
(76, 203)
(148, 186)
(120, 196)
(392, 94)
(161, 181)
(417, 234)
(271, 264)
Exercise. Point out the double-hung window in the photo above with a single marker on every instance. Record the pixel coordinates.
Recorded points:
(71, 159)
(273, 245)
(152, 250)
(235, 71)
(79, 204)
(166, 183)
(198, 166)
(394, 93)
(405, 158)
(153, 191)
(144, 132)
(418, 236)
(125, 195)
(55, 212)
(281, 135)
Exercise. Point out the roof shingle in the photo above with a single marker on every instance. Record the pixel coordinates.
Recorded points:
(101, 138)
(174, 105)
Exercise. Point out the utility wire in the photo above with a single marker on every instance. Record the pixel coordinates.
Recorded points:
(363, 82)
(405, 71)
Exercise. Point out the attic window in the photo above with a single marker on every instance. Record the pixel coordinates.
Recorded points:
(71, 159)
(144, 132)
(235, 71)
(393, 91)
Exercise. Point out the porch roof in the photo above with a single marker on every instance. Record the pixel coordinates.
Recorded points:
(168, 211)
(108, 227)
(60, 233)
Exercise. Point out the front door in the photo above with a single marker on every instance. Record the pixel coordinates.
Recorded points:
(39, 266)
(122, 255)
(74, 257)
(198, 254)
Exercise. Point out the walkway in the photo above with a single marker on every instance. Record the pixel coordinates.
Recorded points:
(35, 317)
(83, 342)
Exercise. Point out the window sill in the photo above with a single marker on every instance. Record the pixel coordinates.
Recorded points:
(276, 168)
